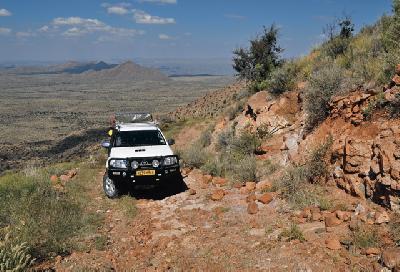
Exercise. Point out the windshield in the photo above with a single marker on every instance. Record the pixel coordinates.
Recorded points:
(138, 138)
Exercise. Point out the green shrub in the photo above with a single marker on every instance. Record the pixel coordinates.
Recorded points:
(195, 156)
(215, 167)
(283, 78)
(14, 257)
(292, 233)
(264, 132)
(365, 237)
(242, 169)
(263, 55)
(294, 184)
(205, 137)
(38, 215)
(323, 84)
(246, 144)
(233, 111)
(374, 105)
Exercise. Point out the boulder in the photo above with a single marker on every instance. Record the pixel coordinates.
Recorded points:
(207, 179)
(54, 179)
(332, 221)
(372, 251)
(266, 198)
(251, 198)
(391, 257)
(396, 80)
(344, 216)
(333, 243)
(250, 186)
(64, 178)
(382, 217)
(264, 185)
(252, 207)
(192, 191)
(219, 181)
(217, 195)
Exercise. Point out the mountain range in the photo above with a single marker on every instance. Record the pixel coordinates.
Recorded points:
(92, 70)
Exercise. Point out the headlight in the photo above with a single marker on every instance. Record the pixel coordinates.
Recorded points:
(118, 163)
(135, 165)
(170, 161)
(155, 163)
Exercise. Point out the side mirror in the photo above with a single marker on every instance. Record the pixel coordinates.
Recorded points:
(106, 144)
(171, 142)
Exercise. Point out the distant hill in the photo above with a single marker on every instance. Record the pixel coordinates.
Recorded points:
(93, 71)
(126, 71)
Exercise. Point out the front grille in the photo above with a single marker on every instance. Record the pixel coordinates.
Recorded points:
(144, 163)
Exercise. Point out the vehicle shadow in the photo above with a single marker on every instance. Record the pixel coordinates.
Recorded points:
(169, 188)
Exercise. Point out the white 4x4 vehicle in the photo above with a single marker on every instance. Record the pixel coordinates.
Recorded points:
(138, 154)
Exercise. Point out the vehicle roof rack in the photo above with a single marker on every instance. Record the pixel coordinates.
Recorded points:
(133, 117)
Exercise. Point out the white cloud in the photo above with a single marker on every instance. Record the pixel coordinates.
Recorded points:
(117, 10)
(82, 26)
(4, 31)
(159, 1)
(164, 37)
(44, 28)
(24, 35)
(76, 21)
(142, 17)
(74, 32)
(4, 12)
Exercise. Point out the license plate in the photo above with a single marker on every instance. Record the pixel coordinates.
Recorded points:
(145, 172)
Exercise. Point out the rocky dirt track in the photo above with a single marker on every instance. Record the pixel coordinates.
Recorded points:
(213, 227)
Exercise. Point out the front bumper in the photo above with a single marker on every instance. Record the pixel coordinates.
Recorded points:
(130, 175)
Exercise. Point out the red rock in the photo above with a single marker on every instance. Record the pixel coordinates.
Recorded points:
(333, 244)
(251, 198)
(219, 181)
(344, 216)
(372, 251)
(64, 178)
(237, 185)
(244, 191)
(306, 213)
(264, 185)
(192, 191)
(72, 173)
(207, 179)
(396, 80)
(391, 257)
(316, 216)
(252, 208)
(250, 186)
(54, 179)
(332, 221)
(218, 195)
(266, 198)
(382, 217)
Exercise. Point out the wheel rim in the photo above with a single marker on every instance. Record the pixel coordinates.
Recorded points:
(110, 187)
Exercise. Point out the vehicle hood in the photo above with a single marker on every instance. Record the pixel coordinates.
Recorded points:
(141, 151)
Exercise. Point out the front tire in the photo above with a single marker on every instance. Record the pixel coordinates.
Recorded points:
(110, 187)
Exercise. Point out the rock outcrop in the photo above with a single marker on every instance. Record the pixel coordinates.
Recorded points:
(367, 164)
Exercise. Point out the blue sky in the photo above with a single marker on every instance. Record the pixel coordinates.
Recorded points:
(58, 30)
